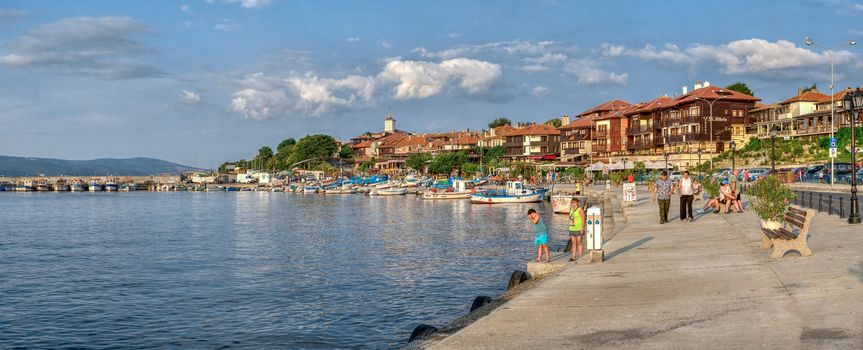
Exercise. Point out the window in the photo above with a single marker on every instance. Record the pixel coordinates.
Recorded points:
(694, 111)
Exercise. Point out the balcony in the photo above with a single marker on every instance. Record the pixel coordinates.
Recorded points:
(600, 134)
(682, 121)
(571, 151)
(539, 143)
(639, 129)
(641, 144)
(812, 130)
(687, 138)
(599, 148)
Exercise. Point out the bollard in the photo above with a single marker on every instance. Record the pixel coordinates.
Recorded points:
(594, 234)
(810, 200)
(841, 208)
(830, 204)
(479, 302)
(422, 331)
(820, 200)
(516, 278)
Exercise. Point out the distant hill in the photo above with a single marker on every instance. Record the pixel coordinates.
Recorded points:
(28, 166)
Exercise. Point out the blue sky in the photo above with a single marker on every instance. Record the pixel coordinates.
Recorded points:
(200, 82)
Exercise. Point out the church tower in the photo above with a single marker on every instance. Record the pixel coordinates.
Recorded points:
(390, 123)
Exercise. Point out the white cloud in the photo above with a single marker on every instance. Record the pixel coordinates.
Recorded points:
(353, 39)
(453, 35)
(225, 26)
(422, 79)
(540, 91)
(750, 56)
(105, 46)
(262, 97)
(250, 3)
(10, 15)
(385, 44)
(858, 7)
(588, 72)
(507, 47)
(544, 62)
(185, 8)
(190, 97)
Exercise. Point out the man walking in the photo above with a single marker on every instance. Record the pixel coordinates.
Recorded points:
(662, 191)
(687, 186)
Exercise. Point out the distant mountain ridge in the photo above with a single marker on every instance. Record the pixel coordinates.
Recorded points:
(31, 166)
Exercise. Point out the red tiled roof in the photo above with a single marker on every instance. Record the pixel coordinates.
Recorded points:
(536, 129)
(606, 106)
(364, 144)
(466, 140)
(836, 97)
(503, 130)
(579, 123)
(808, 96)
(658, 102)
(412, 141)
(620, 112)
(712, 93)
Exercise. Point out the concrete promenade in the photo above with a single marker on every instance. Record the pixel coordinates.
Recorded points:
(698, 285)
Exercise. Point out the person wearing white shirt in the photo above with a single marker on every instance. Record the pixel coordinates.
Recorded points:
(687, 187)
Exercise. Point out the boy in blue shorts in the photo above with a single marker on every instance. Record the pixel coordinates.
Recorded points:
(540, 235)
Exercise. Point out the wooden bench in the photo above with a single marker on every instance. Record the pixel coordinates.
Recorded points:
(784, 239)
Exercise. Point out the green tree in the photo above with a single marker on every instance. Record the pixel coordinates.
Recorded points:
(499, 122)
(283, 153)
(740, 87)
(346, 152)
(445, 163)
(469, 169)
(319, 146)
(809, 88)
(555, 122)
(494, 154)
(417, 161)
(639, 168)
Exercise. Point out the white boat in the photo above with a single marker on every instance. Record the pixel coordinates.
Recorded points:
(459, 190)
(310, 189)
(77, 186)
(61, 186)
(341, 190)
(94, 186)
(391, 191)
(111, 186)
(514, 193)
(128, 187)
(560, 202)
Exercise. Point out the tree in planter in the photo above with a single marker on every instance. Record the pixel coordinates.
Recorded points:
(770, 199)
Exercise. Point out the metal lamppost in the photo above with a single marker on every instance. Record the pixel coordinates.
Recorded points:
(624, 164)
(773, 132)
(733, 148)
(699, 161)
(830, 52)
(666, 161)
(710, 103)
(852, 100)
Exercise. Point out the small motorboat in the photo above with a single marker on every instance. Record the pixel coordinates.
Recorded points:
(515, 192)
(460, 190)
(391, 191)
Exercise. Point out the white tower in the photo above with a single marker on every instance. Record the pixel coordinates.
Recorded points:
(390, 123)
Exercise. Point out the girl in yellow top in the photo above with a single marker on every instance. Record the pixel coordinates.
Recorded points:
(576, 228)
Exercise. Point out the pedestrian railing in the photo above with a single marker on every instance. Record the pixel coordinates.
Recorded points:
(832, 204)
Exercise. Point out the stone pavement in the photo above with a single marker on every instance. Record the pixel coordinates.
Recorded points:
(690, 285)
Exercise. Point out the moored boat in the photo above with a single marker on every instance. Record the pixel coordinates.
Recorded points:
(61, 186)
(111, 185)
(77, 186)
(42, 186)
(23, 187)
(560, 202)
(514, 193)
(391, 191)
(460, 190)
(128, 187)
(94, 186)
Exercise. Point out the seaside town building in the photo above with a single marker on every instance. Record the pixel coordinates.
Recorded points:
(644, 130)
(535, 143)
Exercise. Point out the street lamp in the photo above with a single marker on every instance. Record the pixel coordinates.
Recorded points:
(773, 131)
(699, 161)
(710, 103)
(733, 148)
(852, 100)
(666, 161)
(830, 52)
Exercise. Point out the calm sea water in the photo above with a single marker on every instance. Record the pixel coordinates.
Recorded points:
(247, 270)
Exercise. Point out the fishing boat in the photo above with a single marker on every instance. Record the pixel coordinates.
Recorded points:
(77, 186)
(460, 190)
(111, 185)
(310, 189)
(515, 192)
(341, 190)
(128, 187)
(391, 191)
(94, 186)
(24, 186)
(232, 189)
(42, 186)
(61, 186)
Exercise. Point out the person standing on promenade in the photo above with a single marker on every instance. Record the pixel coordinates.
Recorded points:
(687, 186)
(662, 191)
(576, 228)
(540, 235)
